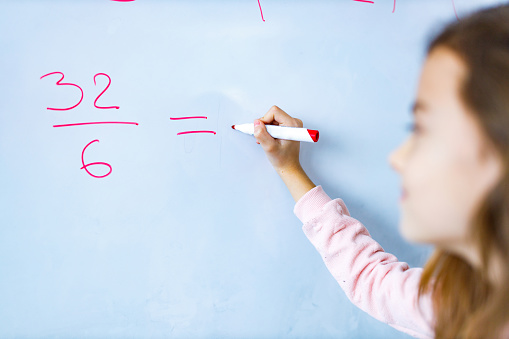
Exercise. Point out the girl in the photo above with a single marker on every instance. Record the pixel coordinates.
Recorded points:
(455, 195)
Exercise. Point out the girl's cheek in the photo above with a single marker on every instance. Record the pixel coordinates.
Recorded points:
(428, 175)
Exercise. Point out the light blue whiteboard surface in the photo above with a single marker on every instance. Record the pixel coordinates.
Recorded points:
(194, 236)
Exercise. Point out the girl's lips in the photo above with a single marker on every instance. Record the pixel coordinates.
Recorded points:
(403, 195)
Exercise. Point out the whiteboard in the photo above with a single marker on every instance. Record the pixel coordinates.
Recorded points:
(193, 235)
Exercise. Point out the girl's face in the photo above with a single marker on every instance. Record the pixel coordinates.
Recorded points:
(446, 165)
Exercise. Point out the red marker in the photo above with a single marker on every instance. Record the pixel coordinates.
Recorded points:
(282, 132)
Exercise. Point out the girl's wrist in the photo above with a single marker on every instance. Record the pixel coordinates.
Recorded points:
(297, 181)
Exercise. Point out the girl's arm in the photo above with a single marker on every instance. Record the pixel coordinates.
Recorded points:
(372, 279)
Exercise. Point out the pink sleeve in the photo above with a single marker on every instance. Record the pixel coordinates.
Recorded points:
(372, 279)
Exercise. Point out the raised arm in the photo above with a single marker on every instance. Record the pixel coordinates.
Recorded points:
(375, 281)
(372, 279)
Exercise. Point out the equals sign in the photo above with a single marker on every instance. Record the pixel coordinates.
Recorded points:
(193, 117)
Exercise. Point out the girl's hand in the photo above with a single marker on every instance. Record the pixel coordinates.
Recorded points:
(282, 154)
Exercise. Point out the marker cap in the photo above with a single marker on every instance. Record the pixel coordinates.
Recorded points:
(314, 134)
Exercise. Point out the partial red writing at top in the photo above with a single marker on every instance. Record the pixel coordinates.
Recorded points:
(259, 5)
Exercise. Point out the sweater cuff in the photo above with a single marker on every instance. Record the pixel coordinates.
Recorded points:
(311, 204)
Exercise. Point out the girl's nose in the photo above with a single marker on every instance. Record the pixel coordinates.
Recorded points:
(398, 157)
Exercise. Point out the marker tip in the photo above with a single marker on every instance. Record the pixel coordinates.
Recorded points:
(233, 126)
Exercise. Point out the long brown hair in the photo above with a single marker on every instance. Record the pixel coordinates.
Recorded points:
(466, 304)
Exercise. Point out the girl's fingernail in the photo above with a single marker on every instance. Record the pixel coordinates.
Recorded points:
(257, 123)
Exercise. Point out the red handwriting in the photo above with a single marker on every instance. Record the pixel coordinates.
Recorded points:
(59, 83)
(97, 123)
(394, 8)
(108, 86)
(189, 132)
(182, 118)
(192, 117)
(369, 2)
(259, 5)
(93, 163)
(123, 0)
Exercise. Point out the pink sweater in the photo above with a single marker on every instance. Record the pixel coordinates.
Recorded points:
(373, 280)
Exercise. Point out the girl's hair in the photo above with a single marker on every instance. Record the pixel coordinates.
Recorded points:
(465, 303)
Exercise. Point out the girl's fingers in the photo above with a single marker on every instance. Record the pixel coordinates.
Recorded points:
(276, 116)
(263, 138)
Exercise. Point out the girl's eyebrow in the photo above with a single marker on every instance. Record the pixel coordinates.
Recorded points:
(418, 106)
